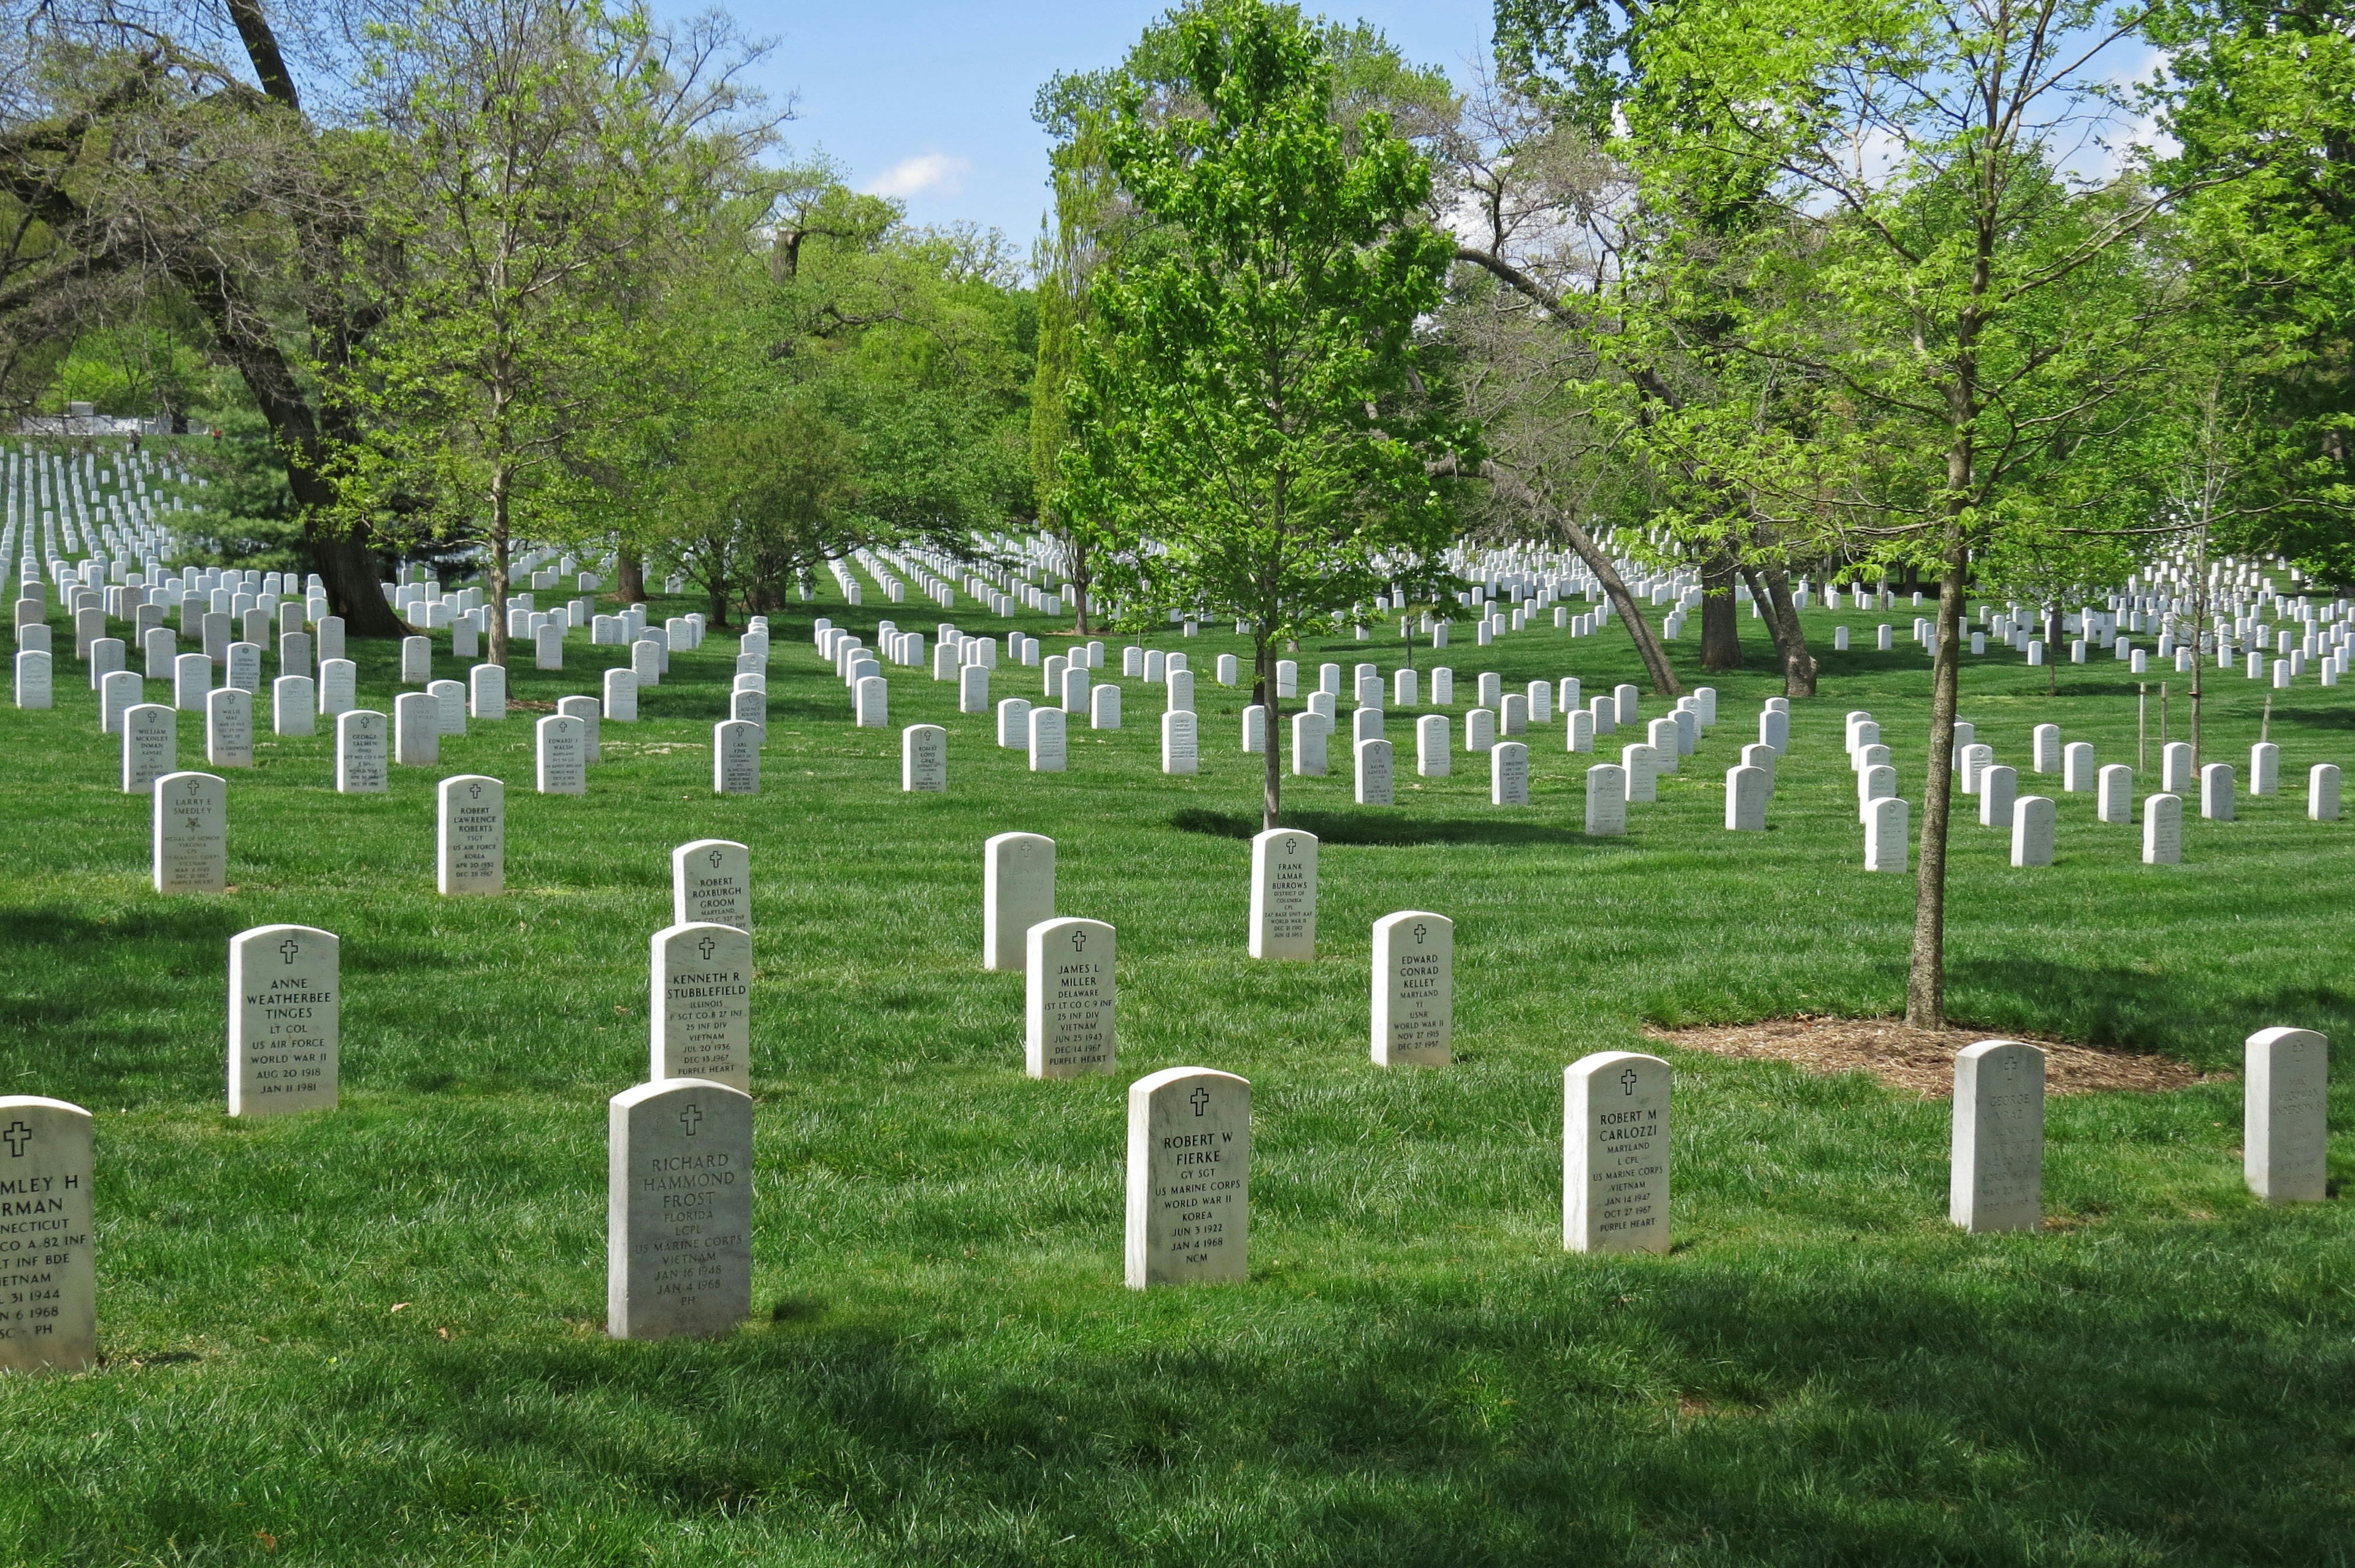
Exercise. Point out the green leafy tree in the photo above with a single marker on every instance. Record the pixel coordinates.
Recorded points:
(1252, 436)
(542, 162)
(1956, 319)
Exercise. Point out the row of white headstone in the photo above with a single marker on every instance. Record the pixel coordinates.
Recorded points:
(679, 1247)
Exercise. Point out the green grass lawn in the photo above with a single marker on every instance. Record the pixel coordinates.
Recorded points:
(376, 1335)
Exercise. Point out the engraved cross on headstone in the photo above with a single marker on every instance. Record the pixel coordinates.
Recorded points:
(1628, 1079)
(291, 948)
(704, 947)
(1199, 1099)
(1079, 941)
(716, 857)
(689, 1117)
(18, 1136)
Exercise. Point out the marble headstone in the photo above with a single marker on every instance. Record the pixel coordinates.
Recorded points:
(1615, 1153)
(1069, 1005)
(679, 1218)
(702, 1004)
(1415, 989)
(1997, 1178)
(48, 1284)
(1018, 891)
(1189, 1198)
(1284, 894)
(470, 848)
(285, 1020)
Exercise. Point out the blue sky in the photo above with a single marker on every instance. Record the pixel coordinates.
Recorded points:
(930, 101)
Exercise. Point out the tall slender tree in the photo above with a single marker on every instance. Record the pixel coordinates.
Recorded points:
(1256, 433)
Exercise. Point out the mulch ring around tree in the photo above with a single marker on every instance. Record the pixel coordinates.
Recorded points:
(1921, 1060)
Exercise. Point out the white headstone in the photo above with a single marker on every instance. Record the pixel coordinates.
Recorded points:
(1014, 723)
(1639, 764)
(924, 758)
(1615, 1153)
(1885, 848)
(2032, 818)
(2044, 748)
(191, 833)
(192, 676)
(2216, 792)
(1048, 754)
(1508, 773)
(1774, 730)
(119, 690)
(702, 1004)
(1746, 790)
(2322, 792)
(1996, 1179)
(2114, 793)
(1376, 784)
(1431, 757)
(2265, 769)
(35, 687)
(1067, 1014)
(151, 745)
(416, 660)
(560, 754)
(621, 688)
(736, 757)
(2162, 830)
(1284, 894)
(1181, 750)
(1606, 801)
(1415, 989)
(285, 1020)
(2175, 768)
(416, 730)
(470, 836)
(49, 1309)
(1103, 707)
(1998, 790)
(1308, 732)
(1479, 729)
(678, 1218)
(228, 728)
(1188, 1218)
(338, 687)
(291, 706)
(1017, 893)
(449, 705)
(2286, 1115)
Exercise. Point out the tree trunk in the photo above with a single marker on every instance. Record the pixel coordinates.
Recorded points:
(1720, 628)
(1272, 799)
(1925, 986)
(1648, 646)
(497, 651)
(1790, 637)
(629, 576)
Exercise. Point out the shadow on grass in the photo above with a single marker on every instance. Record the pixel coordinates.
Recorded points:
(2139, 1012)
(1388, 832)
(1805, 1415)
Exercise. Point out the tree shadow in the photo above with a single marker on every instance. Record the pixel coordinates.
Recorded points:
(2130, 1007)
(1385, 832)
(1607, 1403)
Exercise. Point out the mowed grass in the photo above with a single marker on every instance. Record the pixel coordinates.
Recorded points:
(376, 1335)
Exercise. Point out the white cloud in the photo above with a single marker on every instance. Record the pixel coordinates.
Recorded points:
(940, 174)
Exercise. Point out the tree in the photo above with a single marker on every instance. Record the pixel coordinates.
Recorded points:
(1252, 432)
(1955, 318)
(1551, 165)
(2261, 101)
(140, 169)
(540, 161)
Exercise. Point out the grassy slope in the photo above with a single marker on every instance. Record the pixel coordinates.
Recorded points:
(946, 1368)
